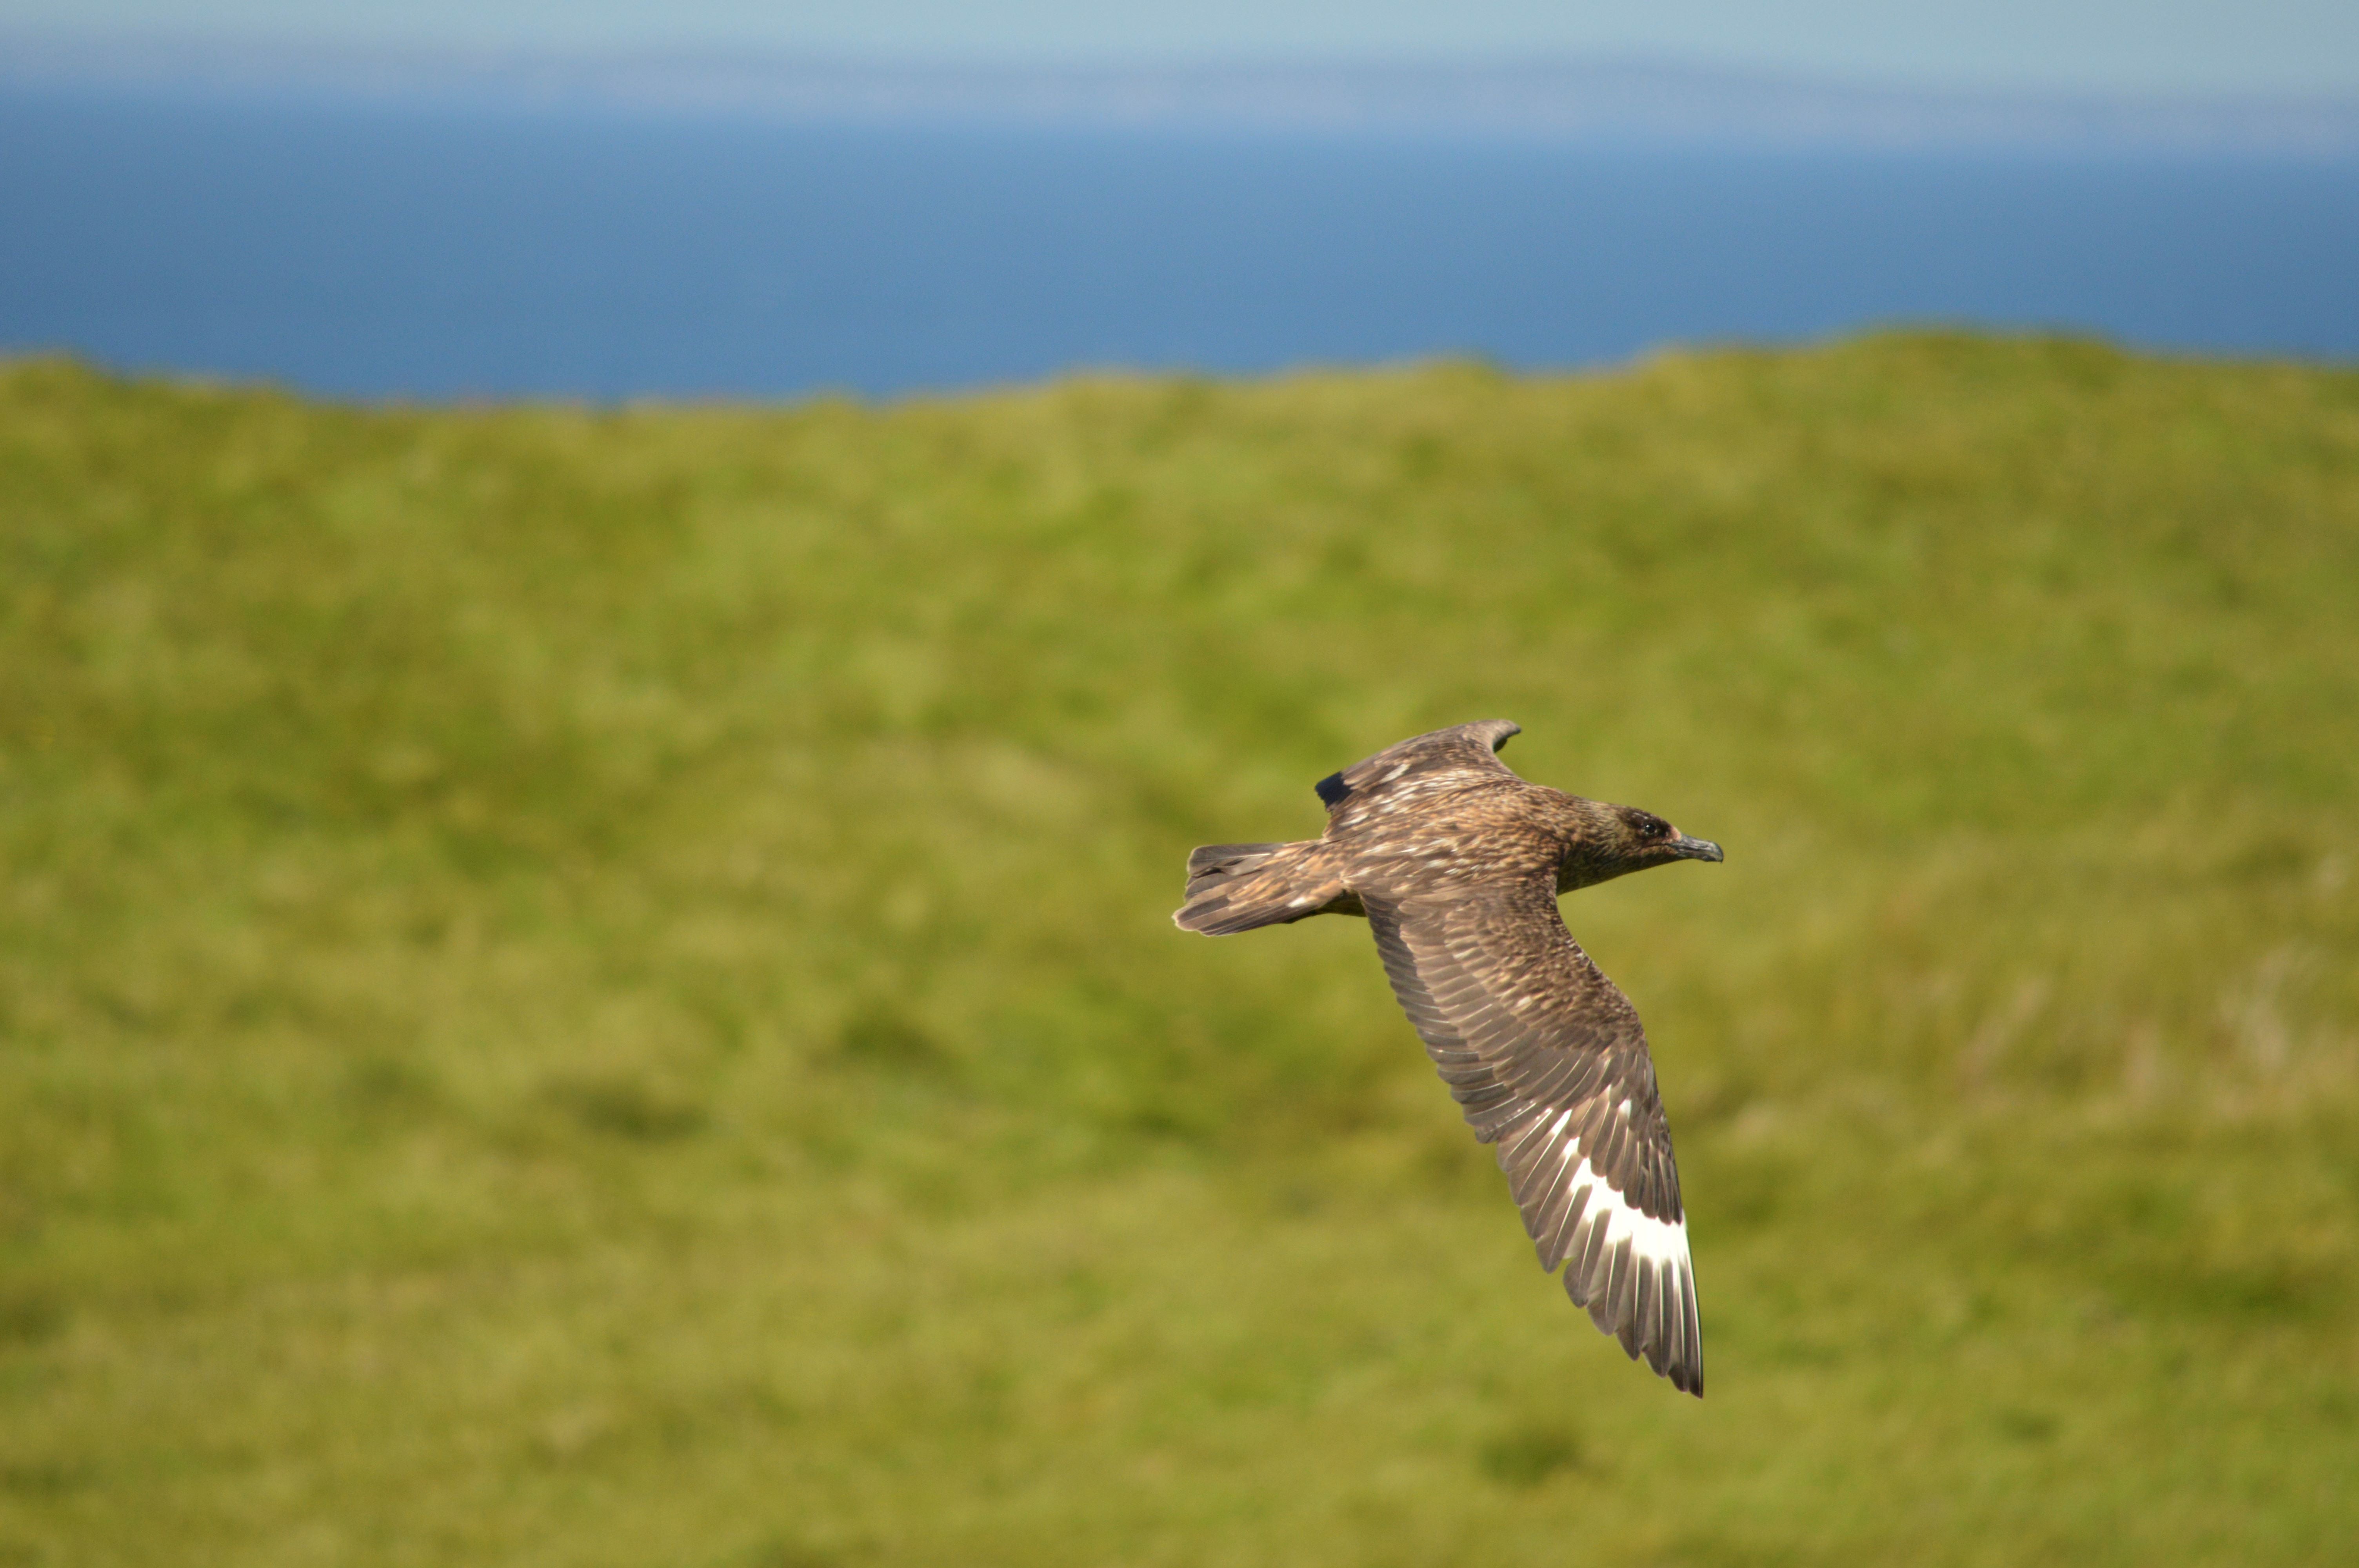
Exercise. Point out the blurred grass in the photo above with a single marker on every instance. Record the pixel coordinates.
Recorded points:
(594, 988)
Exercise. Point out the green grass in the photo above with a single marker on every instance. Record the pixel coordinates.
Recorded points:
(589, 988)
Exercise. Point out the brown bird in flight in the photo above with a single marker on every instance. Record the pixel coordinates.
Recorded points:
(1457, 864)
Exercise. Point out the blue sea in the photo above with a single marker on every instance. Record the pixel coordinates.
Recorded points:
(444, 253)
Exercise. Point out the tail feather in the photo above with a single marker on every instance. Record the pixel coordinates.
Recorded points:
(1236, 886)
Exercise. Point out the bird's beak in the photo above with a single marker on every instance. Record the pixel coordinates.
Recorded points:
(1688, 848)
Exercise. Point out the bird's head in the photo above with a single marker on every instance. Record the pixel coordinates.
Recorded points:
(1610, 841)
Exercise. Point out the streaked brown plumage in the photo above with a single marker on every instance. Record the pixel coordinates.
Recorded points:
(1457, 864)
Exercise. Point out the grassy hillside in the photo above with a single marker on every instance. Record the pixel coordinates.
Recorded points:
(595, 988)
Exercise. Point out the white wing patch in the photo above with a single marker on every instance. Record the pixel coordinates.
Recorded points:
(1651, 1239)
(1631, 1269)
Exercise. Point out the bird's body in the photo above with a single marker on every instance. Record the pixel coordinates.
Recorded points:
(1456, 863)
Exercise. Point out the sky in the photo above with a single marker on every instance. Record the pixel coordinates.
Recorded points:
(2268, 48)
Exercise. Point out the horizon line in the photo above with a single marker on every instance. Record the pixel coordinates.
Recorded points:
(1568, 95)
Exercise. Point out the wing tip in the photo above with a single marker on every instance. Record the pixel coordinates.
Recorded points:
(1497, 731)
(1646, 1305)
(1331, 789)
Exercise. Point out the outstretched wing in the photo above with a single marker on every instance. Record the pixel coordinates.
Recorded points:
(1442, 760)
(1547, 1060)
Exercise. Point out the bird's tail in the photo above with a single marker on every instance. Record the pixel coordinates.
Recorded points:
(1235, 887)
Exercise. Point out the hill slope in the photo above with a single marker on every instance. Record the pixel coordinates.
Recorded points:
(594, 987)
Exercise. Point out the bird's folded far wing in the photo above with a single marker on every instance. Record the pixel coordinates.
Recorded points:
(1440, 760)
(1547, 1058)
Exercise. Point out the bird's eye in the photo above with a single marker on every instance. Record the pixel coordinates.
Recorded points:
(1656, 827)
